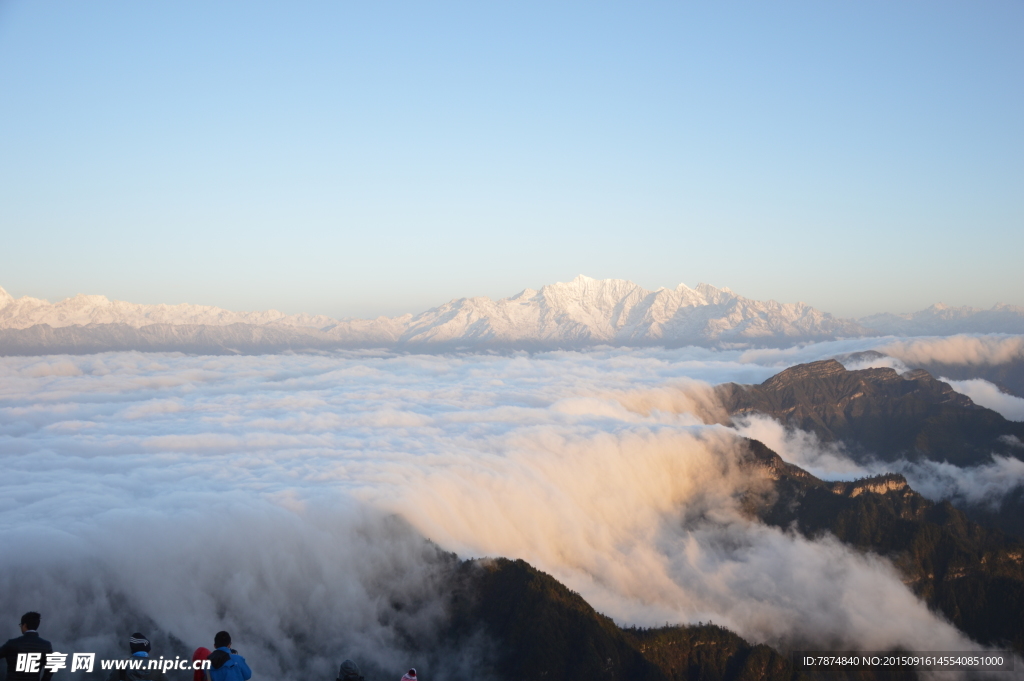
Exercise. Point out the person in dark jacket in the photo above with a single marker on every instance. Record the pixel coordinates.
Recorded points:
(225, 663)
(349, 672)
(28, 642)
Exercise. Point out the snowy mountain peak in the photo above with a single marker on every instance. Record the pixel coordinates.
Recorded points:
(84, 301)
(584, 287)
(525, 294)
(587, 311)
(579, 313)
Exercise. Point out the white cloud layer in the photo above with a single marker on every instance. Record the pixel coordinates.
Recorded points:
(828, 461)
(983, 485)
(989, 395)
(986, 484)
(962, 349)
(253, 493)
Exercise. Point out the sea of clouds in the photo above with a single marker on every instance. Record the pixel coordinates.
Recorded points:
(286, 498)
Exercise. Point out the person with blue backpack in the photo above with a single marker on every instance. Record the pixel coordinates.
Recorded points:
(225, 663)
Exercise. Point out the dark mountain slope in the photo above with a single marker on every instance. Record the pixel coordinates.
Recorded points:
(973, 575)
(542, 629)
(708, 651)
(878, 413)
(711, 653)
(539, 629)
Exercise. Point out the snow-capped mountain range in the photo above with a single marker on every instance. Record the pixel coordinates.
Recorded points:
(22, 313)
(580, 313)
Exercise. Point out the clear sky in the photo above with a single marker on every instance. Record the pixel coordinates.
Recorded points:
(356, 159)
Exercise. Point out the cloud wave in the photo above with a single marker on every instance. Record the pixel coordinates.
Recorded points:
(961, 349)
(989, 395)
(254, 493)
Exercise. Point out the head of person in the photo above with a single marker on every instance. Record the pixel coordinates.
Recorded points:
(349, 670)
(411, 673)
(222, 640)
(30, 621)
(138, 643)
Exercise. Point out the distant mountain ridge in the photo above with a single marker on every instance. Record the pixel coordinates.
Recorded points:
(942, 320)
(568, 315)
(82, 310)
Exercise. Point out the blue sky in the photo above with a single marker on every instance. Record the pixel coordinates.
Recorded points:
(356, 159)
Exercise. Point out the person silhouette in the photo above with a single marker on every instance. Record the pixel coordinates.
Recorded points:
(28, 643)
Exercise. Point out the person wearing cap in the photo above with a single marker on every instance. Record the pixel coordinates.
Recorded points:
(28, 642)
(349, 672)
(140, 649)
(410, 675)
(225, 663)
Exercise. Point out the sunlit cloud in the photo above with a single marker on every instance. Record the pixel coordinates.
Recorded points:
(597, 467)
(962, 349)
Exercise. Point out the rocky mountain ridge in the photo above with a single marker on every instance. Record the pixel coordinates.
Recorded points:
(878, 413)
(972, 574)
